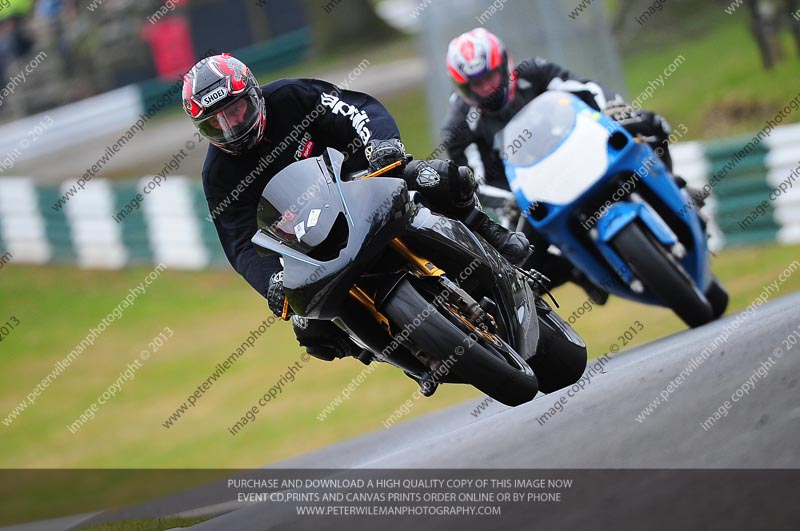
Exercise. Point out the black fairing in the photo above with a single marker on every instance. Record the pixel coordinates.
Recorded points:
(356, 222)
(452, 246)
(378, 207)
(349, 241)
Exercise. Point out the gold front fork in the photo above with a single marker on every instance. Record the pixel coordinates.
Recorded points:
(361, 296)
(420, 267)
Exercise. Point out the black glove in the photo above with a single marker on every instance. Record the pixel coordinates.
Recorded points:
(645, 123)
(658, 125)
(442, 182)
(458, 181)
(275, 295)
(467, 185)
(619, 111)
(381, 153)
(426, 174)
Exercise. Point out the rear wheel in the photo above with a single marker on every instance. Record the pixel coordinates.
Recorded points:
(469, 359)
(663, 276)
(561, 354)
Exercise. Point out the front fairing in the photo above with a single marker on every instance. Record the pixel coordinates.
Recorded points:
(572, 171)
(332, 234)
(562, 150)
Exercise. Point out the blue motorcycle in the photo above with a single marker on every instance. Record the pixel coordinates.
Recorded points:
(608, 203)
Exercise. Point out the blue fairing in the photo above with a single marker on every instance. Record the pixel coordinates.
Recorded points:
(577, 173)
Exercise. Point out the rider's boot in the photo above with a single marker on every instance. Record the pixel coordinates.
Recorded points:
(698, 199)
(323, 339)
(427, 384)
(698, 196)
(513, 246)
(596, 294)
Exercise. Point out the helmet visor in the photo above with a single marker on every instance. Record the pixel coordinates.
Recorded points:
(488, 90)
(487, 83)
(233, 121)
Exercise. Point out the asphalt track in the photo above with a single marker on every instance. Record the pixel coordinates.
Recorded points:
(597, 430)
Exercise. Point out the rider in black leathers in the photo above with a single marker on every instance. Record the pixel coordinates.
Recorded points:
(255, 131)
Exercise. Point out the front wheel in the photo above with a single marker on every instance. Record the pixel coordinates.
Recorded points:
(663, 276)
(470, 361)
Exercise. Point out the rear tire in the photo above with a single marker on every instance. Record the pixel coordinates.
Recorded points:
(662, 276)
(561, 354)
(439, 338)
(718, 298)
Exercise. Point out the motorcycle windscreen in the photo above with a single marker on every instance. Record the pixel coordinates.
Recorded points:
(299, 206)
(555, 149)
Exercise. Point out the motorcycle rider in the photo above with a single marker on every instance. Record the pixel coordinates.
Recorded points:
(255, 131)
(487, 82)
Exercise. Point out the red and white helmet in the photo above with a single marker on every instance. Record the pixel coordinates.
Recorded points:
(475, 56)
(224, 101)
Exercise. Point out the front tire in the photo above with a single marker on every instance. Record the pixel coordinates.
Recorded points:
(437, 337)
(662, 276)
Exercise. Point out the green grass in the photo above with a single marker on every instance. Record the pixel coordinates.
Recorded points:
(409, 112)
(211, 314)
(721, 89)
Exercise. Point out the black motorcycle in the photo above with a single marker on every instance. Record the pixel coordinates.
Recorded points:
(411, 287)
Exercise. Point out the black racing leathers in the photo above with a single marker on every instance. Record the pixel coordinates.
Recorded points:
(304, 116)
(465, 125)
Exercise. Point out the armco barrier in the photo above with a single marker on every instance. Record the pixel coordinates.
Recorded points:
(759, 195)
(783, 163)
(81, 121)
(741, 188)
(116, 111)
(171, 225)
(95, 230)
